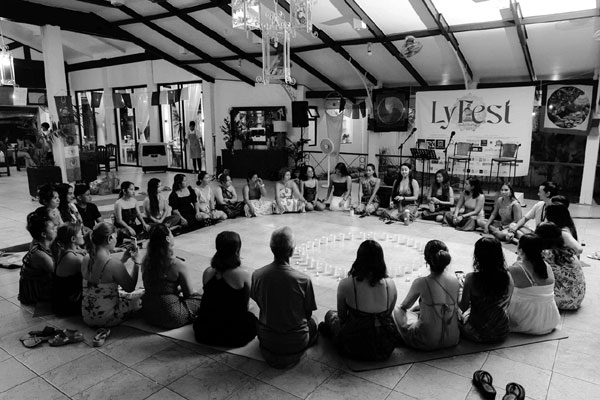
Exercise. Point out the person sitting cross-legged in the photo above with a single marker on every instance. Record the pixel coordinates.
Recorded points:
(286, 300)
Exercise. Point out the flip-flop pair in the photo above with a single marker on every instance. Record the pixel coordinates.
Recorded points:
(482, 380)
(66, 336)
(35, 338)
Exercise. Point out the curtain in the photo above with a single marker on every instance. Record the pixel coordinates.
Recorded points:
(141, 104)
(191, 104)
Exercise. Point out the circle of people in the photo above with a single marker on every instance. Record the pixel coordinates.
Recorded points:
(71, 264)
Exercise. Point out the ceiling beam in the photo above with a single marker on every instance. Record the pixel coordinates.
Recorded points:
(14, 45)
(391, 48)
(444, 28)
(226, 8)
(168, 14)
(211, 34)
(186, 45)
(515, 8)
(86, 23)
(325, 38)
(108, 62)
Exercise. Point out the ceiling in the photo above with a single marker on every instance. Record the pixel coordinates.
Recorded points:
(464, 41)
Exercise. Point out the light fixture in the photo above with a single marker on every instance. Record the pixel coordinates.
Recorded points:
(7, 63)
(369, 51)
(240, 63)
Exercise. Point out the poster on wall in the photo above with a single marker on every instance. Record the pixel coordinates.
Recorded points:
(567, 108)
(487, 118)
(390, 110)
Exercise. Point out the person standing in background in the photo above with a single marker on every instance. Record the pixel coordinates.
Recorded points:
(194, 138)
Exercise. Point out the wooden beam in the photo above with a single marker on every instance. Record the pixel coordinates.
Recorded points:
(14, 45)
(108, 62)
(378, 33)
(168, 14)
(210, 33)
(515, 8)
(186, 45)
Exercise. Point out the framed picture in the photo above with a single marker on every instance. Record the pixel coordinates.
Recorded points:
(567, 108)
(256, 123)
(390, 110)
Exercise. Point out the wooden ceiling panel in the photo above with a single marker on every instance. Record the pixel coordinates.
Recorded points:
(194, 37)
(392, 16)
(336, 19)
(333, 66)
(458, 12)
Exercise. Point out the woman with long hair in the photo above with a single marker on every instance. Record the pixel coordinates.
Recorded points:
(309, 188)
(287, 196)
(369, 185)
(66, 207)
(441, 197)
(340, 189)
(107, 285)
(184, 203)
(227, 199)
(223, 318)
(560, 215)
(127, 212)
(507, 210)
(156, 207)
(436, 325)
(206, 201)
(569, 281)
(486, 294)
(169, 300)
(253, 193)
(66, 296)
(469, 207)
(532, 308)
(363, 327)
(404, 197)
(36, 278)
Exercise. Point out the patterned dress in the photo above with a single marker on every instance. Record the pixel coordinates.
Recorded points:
(104, 305)
(569, 281)
(261, 207)
(288, 202)
(164, 305)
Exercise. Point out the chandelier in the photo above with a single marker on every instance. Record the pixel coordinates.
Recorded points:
(7, 64)
(277, 33)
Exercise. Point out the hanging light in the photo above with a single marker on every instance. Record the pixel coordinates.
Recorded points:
(7, 64)
(369, 51)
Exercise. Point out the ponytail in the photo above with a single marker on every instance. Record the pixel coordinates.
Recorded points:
(532, 246)
(437, 256)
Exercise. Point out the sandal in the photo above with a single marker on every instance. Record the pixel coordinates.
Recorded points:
(47, 331)
(34, 338)
(65, 337)
(514, 391)
(482, 380)
(594, 256)
(100, 338)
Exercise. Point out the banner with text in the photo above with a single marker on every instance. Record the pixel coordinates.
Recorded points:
(487, 118)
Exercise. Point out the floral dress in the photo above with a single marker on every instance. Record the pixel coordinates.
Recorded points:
(569, 281)
(288, 202)
(261, 207)
(104, 305)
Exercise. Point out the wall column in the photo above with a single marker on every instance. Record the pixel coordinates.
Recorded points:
(56, 85)
(110, 129)
(154, 119)
(210, 125)
(592, 145)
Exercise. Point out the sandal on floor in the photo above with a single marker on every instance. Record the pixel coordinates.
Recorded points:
(30, 341)
(594, 256)
(100, 338)
(47, 331)
(65, 337)
(514, 391)
(482, 380)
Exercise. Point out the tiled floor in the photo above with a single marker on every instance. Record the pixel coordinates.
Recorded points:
(137, 365)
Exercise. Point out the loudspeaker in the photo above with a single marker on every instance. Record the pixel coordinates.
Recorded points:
(299, 114)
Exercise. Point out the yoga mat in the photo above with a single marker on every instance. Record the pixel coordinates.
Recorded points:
(405, 355)
(42, 309)
(186, 334)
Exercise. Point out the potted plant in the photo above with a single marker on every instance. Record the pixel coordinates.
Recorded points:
(233, 134)
(295, 151)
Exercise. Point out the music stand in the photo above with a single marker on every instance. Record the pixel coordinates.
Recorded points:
(423, 155)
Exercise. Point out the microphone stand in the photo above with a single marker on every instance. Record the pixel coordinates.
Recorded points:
(403, 143)
(446, 150)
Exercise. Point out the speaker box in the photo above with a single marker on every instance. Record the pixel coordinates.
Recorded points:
(299, 114)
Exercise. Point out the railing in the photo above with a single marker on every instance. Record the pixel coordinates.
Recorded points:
(318, 160)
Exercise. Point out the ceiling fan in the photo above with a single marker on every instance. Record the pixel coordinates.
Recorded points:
(410, 47)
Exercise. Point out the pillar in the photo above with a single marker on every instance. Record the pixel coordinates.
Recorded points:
(154, 117)
(592, 145)
(110, 129)
(210, 126)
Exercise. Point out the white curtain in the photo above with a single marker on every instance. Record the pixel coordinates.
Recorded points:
(141, 104)
(191, 104)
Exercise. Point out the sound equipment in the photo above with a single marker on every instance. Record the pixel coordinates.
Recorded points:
(299, 114)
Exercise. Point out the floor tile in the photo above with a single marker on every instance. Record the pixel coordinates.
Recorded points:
(586, 342)
(387, 377)
(248, 366)
(19, 321)
(563, 387)
(83, 373)
(126, 384)
(577, 365)
(169, 364)
(539, 355)
(535, 380)
(426, 382)
(10, 342)
(345, 386)
(4, 355)
(6, 307)
(36, 388)
(255, 390)
(211, 380)
(461, 365)
(13, 373)
(399, 396)
(165, 394)
(300, 380)
(135, 348)
(44, 358)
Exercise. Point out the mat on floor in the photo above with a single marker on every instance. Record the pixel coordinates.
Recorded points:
(186, 334)
(42, 309)
(405, 355)
(11, 260)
